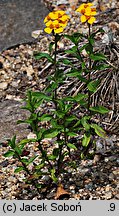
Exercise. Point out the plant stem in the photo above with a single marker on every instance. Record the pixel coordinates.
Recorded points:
(34, 183)
(89, 74)
(44, 155)
(55, 70)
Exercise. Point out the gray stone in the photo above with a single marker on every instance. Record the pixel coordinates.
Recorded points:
(10, 113)
(18, 18)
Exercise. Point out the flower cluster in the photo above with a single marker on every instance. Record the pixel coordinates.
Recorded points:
(56, 21)
(87, 12)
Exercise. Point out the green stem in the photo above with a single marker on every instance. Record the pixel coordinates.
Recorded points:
(44, 155)
(55, 70)
(89, 75)
(34, 183)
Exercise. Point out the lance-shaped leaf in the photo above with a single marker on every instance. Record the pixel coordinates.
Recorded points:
(41, 95)
(99, 109)
(71, 146)
(92, 86)
(97, 57)
(53, 176)
(9, 153)
(98, 130)
(45, 117)
(44, 55)
(50, 133)
(86, 139)
(84, 122)
(18, 169)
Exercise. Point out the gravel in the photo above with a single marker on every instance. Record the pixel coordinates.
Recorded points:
(95, 179)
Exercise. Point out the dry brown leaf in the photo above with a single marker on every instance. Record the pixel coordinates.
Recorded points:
(61, 193)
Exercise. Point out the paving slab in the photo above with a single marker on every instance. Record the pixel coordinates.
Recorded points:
(18, 18)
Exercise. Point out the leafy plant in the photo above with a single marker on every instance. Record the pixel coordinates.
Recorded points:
(63, 124)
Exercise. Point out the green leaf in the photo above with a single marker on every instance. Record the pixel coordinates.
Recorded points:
(25, 141)
(99, 109)
(44, 55)
(81, 78)
(97, 57)
(51, 46)
(51, 133)
(53, 176)
(65, 61)
(89, 48)
(98, 130)
(73, 74)
(40, 133)
(52, 157)
(45, 117)
(18, 169)
(100, 67)
(18, 150)
(51, 87)
(24, 160)
(60, 113)
(73, 50)
(84, 122)
(77, 123)
(56, 125)
(75, 38)
(72, 146)
(86, 140)
(92, 86)
(71, 134)
(40, 166)
(9, 153)
(79, 97)
(71, 118)
(31, 159)
(69, 98)
(56, 152)
(82, 156)
(40, 95)
(12, 143)
(91, 41)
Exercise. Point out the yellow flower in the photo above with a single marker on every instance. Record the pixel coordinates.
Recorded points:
(56, 21)
(91, 20)
(54, 26)
(87, 12)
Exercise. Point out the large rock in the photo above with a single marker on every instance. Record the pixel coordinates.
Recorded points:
(10, 113)
(18, 18)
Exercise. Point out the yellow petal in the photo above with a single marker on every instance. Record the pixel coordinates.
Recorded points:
(63, 24)
(55, 22)
(64, 18)
(91, 20)
(58, 30)
(48, 30)
(83, 18)
(93, 11)
(60, 12)
(49, 23)
(80, 8)
(53, 15)
(88, 11)
(90, 4)
(47, 18)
